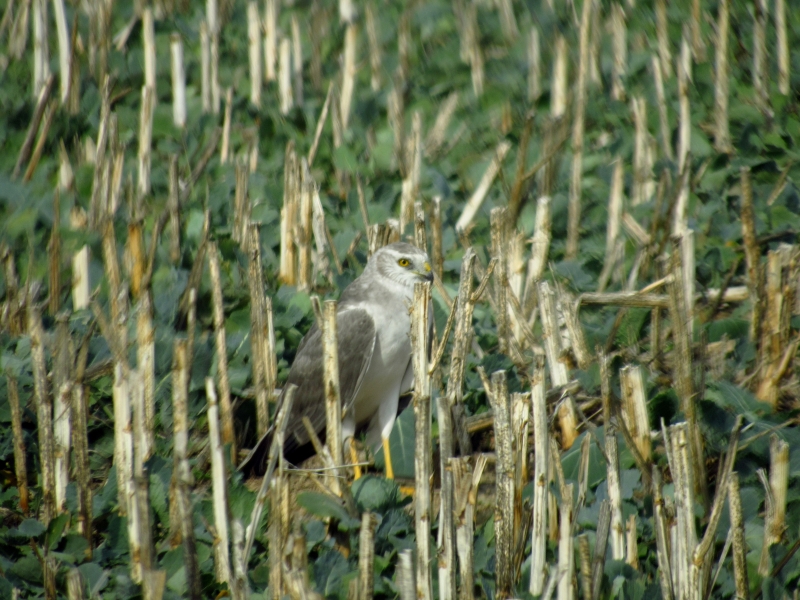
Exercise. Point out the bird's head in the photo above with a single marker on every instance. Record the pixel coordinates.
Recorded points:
(403, 263)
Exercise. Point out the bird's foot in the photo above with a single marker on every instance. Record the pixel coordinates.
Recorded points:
(387, 458)
(354, 459)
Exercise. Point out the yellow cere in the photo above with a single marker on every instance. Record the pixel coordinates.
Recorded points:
(427, 267)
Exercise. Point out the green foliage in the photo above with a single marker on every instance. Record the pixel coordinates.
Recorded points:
(766, 141)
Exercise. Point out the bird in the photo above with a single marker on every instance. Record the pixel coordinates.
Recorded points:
(375, 366)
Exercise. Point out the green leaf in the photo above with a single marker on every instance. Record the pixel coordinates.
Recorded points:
(31, 528)
(375, 493)
(55, 529)
(737, 400)
(28, 568)
(344, 159)
(95, 576)
(401, 444)
(330, 570)
(323, 505)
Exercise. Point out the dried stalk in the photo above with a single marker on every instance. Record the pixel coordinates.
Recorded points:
(275, 450)
(775, 520)
(254, 52)
(739, 543)
(422, 456)
(558, 370)
(145, 140)
(534, 65)
(42, 102)
(782, 47)
(149, 49)
(270, 39)
(499, 227)
(634, 403)
(619, 34)
(178, 81)
(558, 94)
(183, 473)
(297, 62)
(375, 59)
(760, 74)
(349, 71)
(258, 328)
(752, 255)
(722, 136)
(479, 195)
(680, 216)
(222, 351)
(219, 480)
(614, 248)
(333, 399)
(661, 99)
(566, 551)
(662, 539)
(576, 183)
(466, 485)
(323, 115)
(41, 52)
(366, 555)
(62, 365)
(20, 467)
(540, 478)
(43, 403)
(205, 67)
(305, 192)
(504, 498)
(285, 76)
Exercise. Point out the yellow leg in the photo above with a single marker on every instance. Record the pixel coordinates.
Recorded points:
(354, 459)
(387, 458)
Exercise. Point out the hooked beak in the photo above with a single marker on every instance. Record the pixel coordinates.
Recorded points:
(428, 274)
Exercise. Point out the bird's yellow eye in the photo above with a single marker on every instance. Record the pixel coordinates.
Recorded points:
(403, 262)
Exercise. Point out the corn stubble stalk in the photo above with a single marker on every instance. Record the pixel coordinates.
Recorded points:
(634, 403)
(275, 453)
(578, 129)
(722, 136)
(41, 52)
(612, 464)
(566, 551)
(178, 81)
(479, 195)
(776, 490)
(222, 351)
(258, 328)
(739, 544)
(504, 499)
(149, 48)
(619, 33)
(43, 404)
(499, 227)
(333, 400)
(349, 71)
(183, 473)
(422, 455)
(254, 52)
(270, 39)
(366, 555)
(20, 467)
(558, 370)
(285, 76)
(219, 482)
(540, 478)
(62, 362)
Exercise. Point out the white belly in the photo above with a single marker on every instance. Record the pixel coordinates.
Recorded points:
(390, 360)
